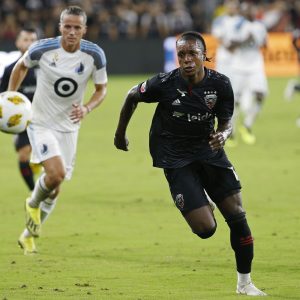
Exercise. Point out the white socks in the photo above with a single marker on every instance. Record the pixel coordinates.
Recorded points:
(47, 207)
(243, 279)
(40, 192)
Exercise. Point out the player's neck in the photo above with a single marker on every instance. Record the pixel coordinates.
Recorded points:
(196, 78)
(70, 48)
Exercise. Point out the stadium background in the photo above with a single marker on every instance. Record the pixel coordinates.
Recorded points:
(115, 233)
(139, 28)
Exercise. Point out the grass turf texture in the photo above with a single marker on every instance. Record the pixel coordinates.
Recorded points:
(115, 233)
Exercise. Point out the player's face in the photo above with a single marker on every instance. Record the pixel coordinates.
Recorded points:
(25, 39)
(190, 58)
(72, 29)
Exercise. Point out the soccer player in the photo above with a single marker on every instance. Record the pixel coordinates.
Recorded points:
(249, 81)
(293, 86)
(66, 63)
(184, 142)
(225, 29)
(24, 39)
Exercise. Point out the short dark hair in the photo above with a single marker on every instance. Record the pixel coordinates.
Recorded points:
(73, 10)
(27, 29)
(195, 36)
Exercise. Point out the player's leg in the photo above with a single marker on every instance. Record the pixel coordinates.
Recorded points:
(23, 148)
(238, 86)
(241, 242)
(249, 110)
(48, 182)
(223, 186)
(191, 199)
(46, 150)
(26, 239)
(258, 89)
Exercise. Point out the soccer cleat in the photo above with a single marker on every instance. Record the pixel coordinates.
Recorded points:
(249, 289)
(33, 219)
(27, 244)
(290, 90)
(248, 137)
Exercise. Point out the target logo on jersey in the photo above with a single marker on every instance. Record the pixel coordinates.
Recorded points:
(65, 87)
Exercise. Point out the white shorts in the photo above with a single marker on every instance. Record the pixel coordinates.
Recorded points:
(252, 82)
(47, 143)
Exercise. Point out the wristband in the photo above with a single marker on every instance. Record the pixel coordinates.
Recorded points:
(88, 109)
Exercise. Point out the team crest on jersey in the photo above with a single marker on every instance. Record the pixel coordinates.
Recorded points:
(210, 98)
(80, 69)
(143, 87)
(179, 201)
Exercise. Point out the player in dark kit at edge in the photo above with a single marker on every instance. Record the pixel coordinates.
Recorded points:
(185, 143)
(22, 145)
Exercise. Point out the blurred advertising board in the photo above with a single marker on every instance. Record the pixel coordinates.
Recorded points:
(280, 56)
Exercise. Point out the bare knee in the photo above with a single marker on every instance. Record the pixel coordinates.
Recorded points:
(201, 221)
(206, 233)
(54, 179)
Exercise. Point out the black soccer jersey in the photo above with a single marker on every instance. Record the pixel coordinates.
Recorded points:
(185, 116)
(28, 85)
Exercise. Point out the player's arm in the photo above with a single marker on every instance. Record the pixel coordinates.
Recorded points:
(80, 111)
(17, 75)
(128, 108)
(217, 140)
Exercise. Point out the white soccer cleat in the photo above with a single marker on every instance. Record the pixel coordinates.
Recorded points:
(249, 289)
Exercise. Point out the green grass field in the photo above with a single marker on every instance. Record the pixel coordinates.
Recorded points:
(115, 233)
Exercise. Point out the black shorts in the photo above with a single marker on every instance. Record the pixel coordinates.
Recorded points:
(189, 183)
(21, 140)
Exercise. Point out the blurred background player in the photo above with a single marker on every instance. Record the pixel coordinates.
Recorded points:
(248, 79)
(22, 145)
(225, 28)
(66, 63)
(294, 85)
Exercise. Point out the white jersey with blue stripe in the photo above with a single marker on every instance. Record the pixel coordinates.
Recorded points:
(62, 78)
(248, 57)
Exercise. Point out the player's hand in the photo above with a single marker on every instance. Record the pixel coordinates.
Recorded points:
(78, 112)
(216, 141)
(121, 142)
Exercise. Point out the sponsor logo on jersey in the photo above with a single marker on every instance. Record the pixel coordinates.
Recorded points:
(210, 98)
(143, 87)
(65, 87)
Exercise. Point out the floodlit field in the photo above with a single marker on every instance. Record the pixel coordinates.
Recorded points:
(115, 233)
